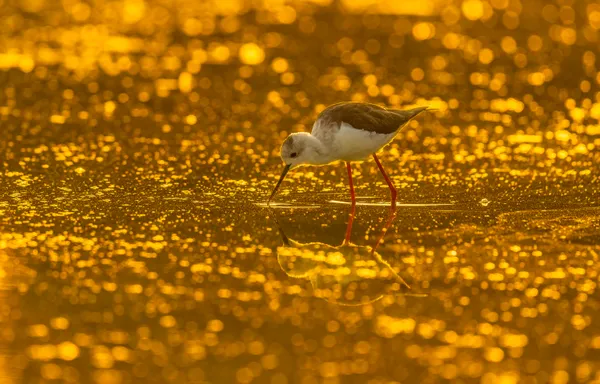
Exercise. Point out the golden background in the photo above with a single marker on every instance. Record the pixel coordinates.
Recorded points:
(139, 141)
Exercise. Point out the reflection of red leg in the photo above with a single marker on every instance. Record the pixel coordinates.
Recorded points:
(385, 228)
(388, 181)
(349, 228)
(377, 256)
(353, 209)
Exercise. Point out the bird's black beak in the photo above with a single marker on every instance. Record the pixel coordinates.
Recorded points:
(285, 171)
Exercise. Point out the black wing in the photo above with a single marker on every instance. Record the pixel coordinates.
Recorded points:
(369, 117)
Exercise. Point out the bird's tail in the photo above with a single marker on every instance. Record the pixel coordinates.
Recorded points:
(408, 114)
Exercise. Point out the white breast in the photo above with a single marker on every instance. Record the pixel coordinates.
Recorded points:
(351, 144)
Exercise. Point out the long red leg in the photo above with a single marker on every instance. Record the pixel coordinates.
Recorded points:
(353, 197)
(388, 181)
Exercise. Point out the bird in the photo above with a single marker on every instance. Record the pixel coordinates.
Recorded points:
(346, 131)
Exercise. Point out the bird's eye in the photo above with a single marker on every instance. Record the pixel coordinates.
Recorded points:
(293, 154)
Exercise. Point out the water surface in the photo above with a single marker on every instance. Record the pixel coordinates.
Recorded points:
(139, 142)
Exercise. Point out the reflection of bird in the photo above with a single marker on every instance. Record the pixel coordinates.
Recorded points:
(347, 274)
(348, 132)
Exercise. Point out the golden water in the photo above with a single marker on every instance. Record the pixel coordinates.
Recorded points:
(139, 141)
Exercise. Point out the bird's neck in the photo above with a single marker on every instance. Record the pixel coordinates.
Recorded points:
(320, 154)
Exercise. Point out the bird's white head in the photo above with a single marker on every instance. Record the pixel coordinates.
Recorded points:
(298, 149)
(301, 148)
